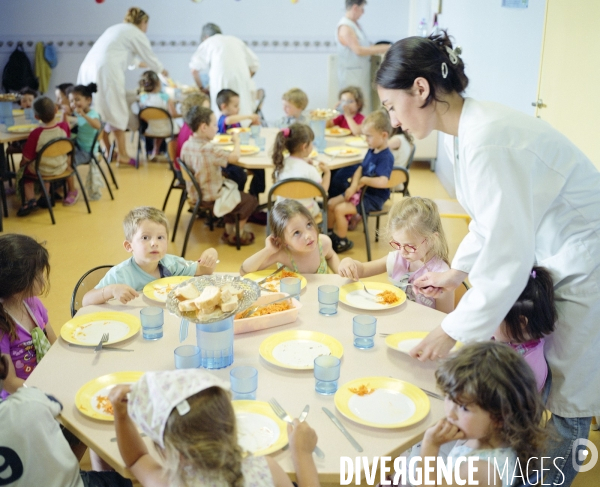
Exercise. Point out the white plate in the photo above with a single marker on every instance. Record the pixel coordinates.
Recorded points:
(383, 406)
(93, 331)
(256, 432)
(300, 353)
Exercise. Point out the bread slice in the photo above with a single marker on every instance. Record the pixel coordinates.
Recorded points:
(187, 305)
(186, 292)
(225, 294)
(210, 297)
(230, 305)
(231, 289)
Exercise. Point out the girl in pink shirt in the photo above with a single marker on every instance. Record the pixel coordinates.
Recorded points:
(415, 232)
(351, 103)
(24, 331)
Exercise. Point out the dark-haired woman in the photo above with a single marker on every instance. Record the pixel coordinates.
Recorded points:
(533, 197)
(106, 64)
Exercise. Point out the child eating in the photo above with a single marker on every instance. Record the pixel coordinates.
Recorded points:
(294, 103)
(351, 103)
(146, 232)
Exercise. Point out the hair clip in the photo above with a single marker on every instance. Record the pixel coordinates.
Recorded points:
(533, 274)
(444, 70)
(286, 132)
(452, 55)
(183, 408)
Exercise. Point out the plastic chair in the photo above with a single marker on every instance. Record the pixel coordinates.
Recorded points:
(95, 161)
(452, 209)
(108, 159)
(188, 176)
(459, 292)
(400, 188)
(87, 282)
(299, 188)
(54, 148)
(398, 176)
(260, 95)
(153, 114)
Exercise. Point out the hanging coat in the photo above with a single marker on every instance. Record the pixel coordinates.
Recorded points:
(43, 71)
(105, 65)
(533, 197)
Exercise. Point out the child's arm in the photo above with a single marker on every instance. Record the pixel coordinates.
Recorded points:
(280, 478)
(231, 119)
(440, 433)
(395, 142)
(354, 184)
(131, 446)
(12, 382)
(375, 182)
(263, 258)
(326, 181)
(235, 154)
(207, 262)
(353, 269)
(333, 260)
(303, 440)
(445, 303)
(121, 292)
(93, 122)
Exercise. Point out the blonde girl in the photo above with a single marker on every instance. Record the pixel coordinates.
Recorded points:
(297, 141)
(193, 426)
(415, 233)
(295, 242)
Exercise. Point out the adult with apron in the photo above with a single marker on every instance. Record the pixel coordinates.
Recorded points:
(355, 51)
(230, 64)
(106, 63)
(533, 198)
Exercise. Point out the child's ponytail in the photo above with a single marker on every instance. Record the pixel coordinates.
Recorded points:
(278, 149)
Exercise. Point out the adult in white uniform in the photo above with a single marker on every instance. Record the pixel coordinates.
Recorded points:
(230, 64)
(355, 51)
(533, 197)
(106, 63)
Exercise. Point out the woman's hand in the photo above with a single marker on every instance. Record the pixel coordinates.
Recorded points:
(118, 398)
(434, 346)
(349, 268)
(442, 432)
(272, 244)
(433, 284)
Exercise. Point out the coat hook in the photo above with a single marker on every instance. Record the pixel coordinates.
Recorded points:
(50, 43)
(1, 43)
(70, 43)
(30, 43)
(10, 43)
(60, 43)
(20, 43)
(80, 43)
(90, 43)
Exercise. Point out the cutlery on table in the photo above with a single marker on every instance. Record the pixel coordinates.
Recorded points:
(302, 417)
(103, 347)
(281, 413)
(366, 290)
(254, 309)
(262, 281)
(432, 394)
(343, 429)
(104, 339)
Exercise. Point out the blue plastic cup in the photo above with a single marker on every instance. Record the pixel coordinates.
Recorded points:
(215, 341)
(29, 114)
(327, 373)
(290, 285)
(328, 299)
(152, 322)
(260, 142)
(244, 382)
(244, 138)
(364, 327)
(255, 131)
(187, 357)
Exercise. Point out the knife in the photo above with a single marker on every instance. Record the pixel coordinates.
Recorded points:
(343, 430)
(279, 269)
(104, 347)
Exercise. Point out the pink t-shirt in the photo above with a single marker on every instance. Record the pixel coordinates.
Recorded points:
(21, 350)
(533, 353)
(399, 275)
(184, 134)
(340, 120)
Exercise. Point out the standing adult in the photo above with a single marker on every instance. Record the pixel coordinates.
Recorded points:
(533, 199)
(355, 51)
(105, 65)
(230, 64)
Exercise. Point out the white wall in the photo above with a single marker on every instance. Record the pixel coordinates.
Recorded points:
(259, 22)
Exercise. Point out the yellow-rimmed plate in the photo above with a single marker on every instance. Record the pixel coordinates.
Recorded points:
(88, 329)
(17, 112)
(405, 341)
(259, 430)
(337, 132)
(354, 295)
(22, 129)
(297, 349)
(273, 284)
(237, 130)
(222, 139)
(342, 151)
(312, 155)
(159, 290)
(357, 142)
(393, 404)
(245, 150)
(92, 395)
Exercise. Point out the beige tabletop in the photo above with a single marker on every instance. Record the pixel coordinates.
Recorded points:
(65, 369)
(263, 159)
(6, 136)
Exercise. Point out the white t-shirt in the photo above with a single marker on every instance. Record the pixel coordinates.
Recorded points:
(295, 167)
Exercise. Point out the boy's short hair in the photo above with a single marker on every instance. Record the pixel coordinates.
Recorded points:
(296, 97)
(357, 93)
(225, 96)
(351, 3)
(132, 221)
(196, 116)
(379, 120)
(192, 100)
(28, 91)
(44, 108)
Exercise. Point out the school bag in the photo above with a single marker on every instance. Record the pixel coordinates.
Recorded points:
(18, 72)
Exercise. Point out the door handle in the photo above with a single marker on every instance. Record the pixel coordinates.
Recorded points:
(538, 104)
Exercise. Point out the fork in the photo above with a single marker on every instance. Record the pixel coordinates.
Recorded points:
(104, 339)
(366, 290)
(281, 413)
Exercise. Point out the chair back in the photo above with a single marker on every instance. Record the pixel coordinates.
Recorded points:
(87, 282)
(459, 292)
(296, 189)
(154, 113)
(188, 176)
(61, 146)
(398, 176)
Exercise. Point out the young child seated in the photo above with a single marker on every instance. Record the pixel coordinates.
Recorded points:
(193, 100)
(531, 318)
(297, 141)
(61, 94)
(415, 232)
(207, 160)
(45, 111)
(373, 175)
(146, 236)
(193, 426)
(42, 456)
(295, 102)
(28, 95)
(88, 120)
(295, 242)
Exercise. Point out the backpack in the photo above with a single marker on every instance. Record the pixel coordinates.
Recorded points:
(18, 72)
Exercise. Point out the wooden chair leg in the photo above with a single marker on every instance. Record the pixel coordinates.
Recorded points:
(179, 210)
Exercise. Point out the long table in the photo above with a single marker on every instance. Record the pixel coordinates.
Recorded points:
(65, 369)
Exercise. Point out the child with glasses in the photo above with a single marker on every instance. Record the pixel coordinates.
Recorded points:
(415, 232)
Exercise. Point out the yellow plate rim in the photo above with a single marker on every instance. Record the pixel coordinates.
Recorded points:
(393, 340)
(149, 288)
(258, 275)
(237, 130)
(26, 127)
(330, 151)
(255, 149)
(269, 343)
(18, 112)
(221, 143)
(351, 141)
(90, 388)
(264, 409)
(422, 404)
(377, 286)
(344, 132)
(69, 327)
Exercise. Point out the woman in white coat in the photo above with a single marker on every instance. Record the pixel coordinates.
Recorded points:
(105, 65)
(533, 198)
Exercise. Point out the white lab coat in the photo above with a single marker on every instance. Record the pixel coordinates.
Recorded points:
(535, 199)
(105, 64)
(229, 62)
